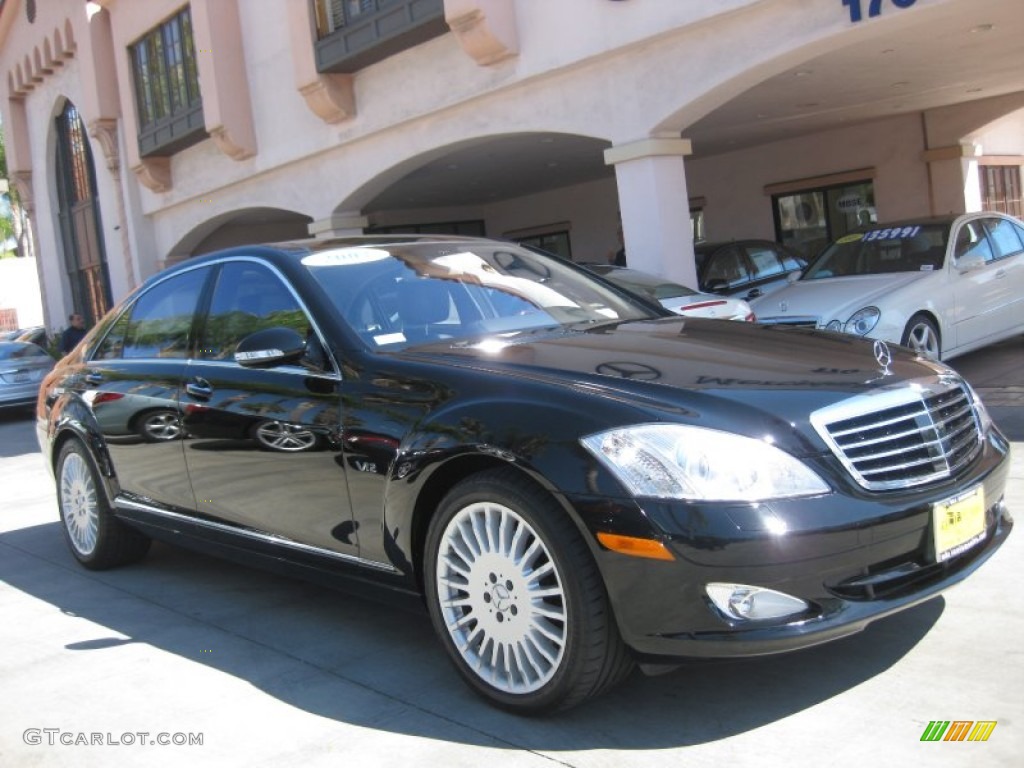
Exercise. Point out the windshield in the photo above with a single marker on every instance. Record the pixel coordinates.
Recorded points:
(910, 248)
(396, 295)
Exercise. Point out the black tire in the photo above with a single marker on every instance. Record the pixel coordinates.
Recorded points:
(96, 538)
(922, 336)
(528, 643)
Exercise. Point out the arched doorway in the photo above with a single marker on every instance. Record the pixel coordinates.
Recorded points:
(79, 213)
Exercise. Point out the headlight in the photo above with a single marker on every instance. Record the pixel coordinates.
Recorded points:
(673, 461)
(834, 325)
(863, 320)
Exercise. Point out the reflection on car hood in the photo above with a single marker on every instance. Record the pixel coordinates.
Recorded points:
(683, 363)
(832, 296)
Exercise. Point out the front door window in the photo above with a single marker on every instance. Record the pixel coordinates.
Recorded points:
(808, 220)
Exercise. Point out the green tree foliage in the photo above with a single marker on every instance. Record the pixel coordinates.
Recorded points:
(6, 213)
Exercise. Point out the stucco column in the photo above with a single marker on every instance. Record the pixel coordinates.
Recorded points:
(655, 206)
(343, 224)
(953, 179)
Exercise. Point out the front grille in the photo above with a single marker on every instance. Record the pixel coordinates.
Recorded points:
(903, 437)
(790, 321)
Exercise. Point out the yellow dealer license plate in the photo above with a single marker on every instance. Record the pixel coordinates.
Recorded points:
(959, 523)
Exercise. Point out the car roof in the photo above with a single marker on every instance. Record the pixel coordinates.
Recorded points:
(289, 251)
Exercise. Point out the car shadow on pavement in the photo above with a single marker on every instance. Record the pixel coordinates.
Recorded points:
(375, 666)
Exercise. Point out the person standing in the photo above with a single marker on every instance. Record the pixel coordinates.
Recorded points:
(73, 334)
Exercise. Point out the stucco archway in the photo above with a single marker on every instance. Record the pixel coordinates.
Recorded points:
(244, 226)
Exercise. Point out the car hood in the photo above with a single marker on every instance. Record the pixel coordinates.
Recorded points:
(831, 297)
(745, 377)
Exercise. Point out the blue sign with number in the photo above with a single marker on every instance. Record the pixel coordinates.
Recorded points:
(874, 7)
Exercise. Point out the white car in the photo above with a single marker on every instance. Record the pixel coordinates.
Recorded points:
(678, 298)
(942, 286)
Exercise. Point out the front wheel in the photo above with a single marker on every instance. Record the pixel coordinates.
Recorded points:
(922, 336)
(516, 598)
(97, 539)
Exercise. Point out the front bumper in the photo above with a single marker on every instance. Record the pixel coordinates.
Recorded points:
(854, 556)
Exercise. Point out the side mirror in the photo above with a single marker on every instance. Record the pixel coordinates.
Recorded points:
(270, 347)
(970, 262)
(792, 277)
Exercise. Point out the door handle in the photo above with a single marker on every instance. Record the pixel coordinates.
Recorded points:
(94, 379)
(199, 388)
(1000, 274)
(755, 293)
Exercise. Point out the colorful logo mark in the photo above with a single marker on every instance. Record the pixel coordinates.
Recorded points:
(958, 730)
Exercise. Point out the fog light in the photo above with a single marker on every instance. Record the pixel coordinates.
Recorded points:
(746, 603)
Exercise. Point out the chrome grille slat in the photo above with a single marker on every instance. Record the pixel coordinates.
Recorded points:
(878, 425)
(903, 436)
(888, 469)
(869, 457)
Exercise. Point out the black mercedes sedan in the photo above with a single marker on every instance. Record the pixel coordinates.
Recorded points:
(572, 481)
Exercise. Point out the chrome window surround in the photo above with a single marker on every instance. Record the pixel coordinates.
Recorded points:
(332, 374)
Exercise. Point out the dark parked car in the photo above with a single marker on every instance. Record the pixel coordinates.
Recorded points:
(745, 268)
(569, 479)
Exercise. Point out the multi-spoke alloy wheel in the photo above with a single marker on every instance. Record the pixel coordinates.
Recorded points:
(516, 598)
(79, 504)
(159, 426)
(97, 539)
(922, 336)
(279, 436)
(502, 597)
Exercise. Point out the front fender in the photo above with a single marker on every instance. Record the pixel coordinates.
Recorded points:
(453, 443)
(71, 418)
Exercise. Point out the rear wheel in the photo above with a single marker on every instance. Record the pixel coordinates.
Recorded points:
(922, 336)
(279, 436)
(516, 598)
(97, 539)
(159, 426)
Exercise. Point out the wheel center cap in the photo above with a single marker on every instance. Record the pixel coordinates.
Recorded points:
(500, 596)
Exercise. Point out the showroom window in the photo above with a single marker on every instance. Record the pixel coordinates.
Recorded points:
(808, 219)
(1001, 189)
(697, 220)
(552, 237)
(552, 242)
(166, 80)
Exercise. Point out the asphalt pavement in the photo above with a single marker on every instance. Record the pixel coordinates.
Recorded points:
(187, 660)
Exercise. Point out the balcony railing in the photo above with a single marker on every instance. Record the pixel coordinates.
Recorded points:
(356, 33)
